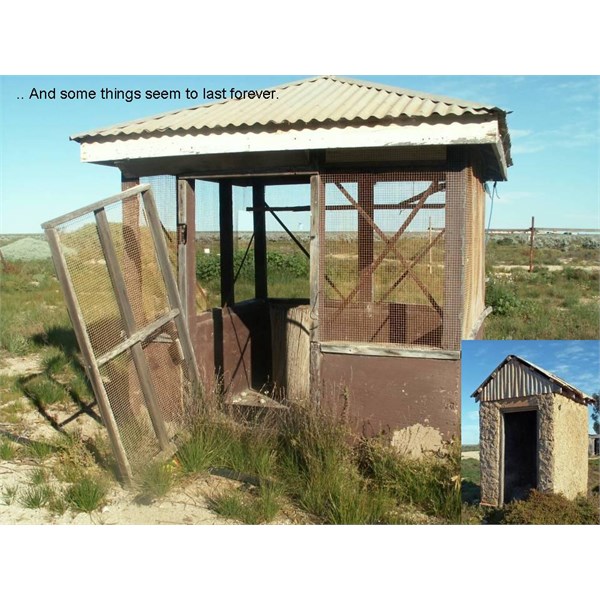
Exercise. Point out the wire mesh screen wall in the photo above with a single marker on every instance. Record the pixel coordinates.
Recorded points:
(383, 258)
(208, 262)
(243, 243)
(164, 190)
(113, 266)
(288, 240)
(474, 252)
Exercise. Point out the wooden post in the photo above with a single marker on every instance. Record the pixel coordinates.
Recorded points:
(317, 228)
(532, 234)
(87, 353)
(162, 257)
(456, 196)
(430, 250)
(365, 239)
(125, 309)
(132, 260)
(260, 241)
(186, 249)
(226, 243)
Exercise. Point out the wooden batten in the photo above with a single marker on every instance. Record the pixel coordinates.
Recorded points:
(317, 228)
(226, 241)
(260, 241)
(186, 249)
(129, 322)
(456, 186)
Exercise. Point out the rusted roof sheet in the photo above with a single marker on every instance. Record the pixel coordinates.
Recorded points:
(311, 101)
(516, 377)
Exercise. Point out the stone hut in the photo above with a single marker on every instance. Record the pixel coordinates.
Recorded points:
(533, 433)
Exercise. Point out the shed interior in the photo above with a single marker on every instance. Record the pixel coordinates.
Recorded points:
(374, 252)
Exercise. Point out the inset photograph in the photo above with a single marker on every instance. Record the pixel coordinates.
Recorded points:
(530, 432)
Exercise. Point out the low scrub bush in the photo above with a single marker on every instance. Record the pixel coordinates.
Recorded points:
(550, 509)
(502, 298)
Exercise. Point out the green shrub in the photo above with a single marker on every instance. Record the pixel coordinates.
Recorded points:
(502, 298)
(293, 264)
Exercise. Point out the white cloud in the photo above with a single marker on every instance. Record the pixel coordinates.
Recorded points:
(530, 148)
(519, 133)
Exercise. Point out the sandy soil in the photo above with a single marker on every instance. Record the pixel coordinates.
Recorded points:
(20, 365)
(589, 268)
(186, 504)
(470, 454)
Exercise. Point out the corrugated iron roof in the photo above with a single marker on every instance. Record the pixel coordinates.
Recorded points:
(310, 101)
(549, 376)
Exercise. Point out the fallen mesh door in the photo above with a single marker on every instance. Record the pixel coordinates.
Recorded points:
(112, 263)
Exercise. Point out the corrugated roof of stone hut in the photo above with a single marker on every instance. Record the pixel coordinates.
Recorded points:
(525, 379)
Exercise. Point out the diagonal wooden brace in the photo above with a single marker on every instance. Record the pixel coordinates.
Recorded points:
(413, 261)
(390, 242)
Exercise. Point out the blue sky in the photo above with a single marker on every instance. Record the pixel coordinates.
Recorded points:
(575, 361)
(554, 127)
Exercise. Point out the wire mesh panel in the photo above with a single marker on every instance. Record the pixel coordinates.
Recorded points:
(474, 253)
(288, 239)
(113, 265)
(208, 244)
(243, 243)
(383, 258)
(164, 189)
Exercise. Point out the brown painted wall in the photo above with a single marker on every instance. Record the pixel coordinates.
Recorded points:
(389, 393)
(234, 342)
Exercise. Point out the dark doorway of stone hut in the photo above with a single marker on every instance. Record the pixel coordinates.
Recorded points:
(520, 454)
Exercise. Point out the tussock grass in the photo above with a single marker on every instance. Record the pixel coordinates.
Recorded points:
(310, 460)
(431, 484)
(86, 495)
(251, 507)
(38, 477)
(36, 496)
(39, 450)
(8, 450)
(156, 482)
(9, 494)
(44, 392)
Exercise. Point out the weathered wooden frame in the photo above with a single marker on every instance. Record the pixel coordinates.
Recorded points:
(134, 337)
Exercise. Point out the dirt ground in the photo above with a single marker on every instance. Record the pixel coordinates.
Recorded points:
(187, 505)
(470, 454)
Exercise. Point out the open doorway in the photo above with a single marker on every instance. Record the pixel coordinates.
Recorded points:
(520, 454)
(252, 268)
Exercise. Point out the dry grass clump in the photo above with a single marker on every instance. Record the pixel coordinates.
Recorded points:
(307, 459)
(549, 509)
